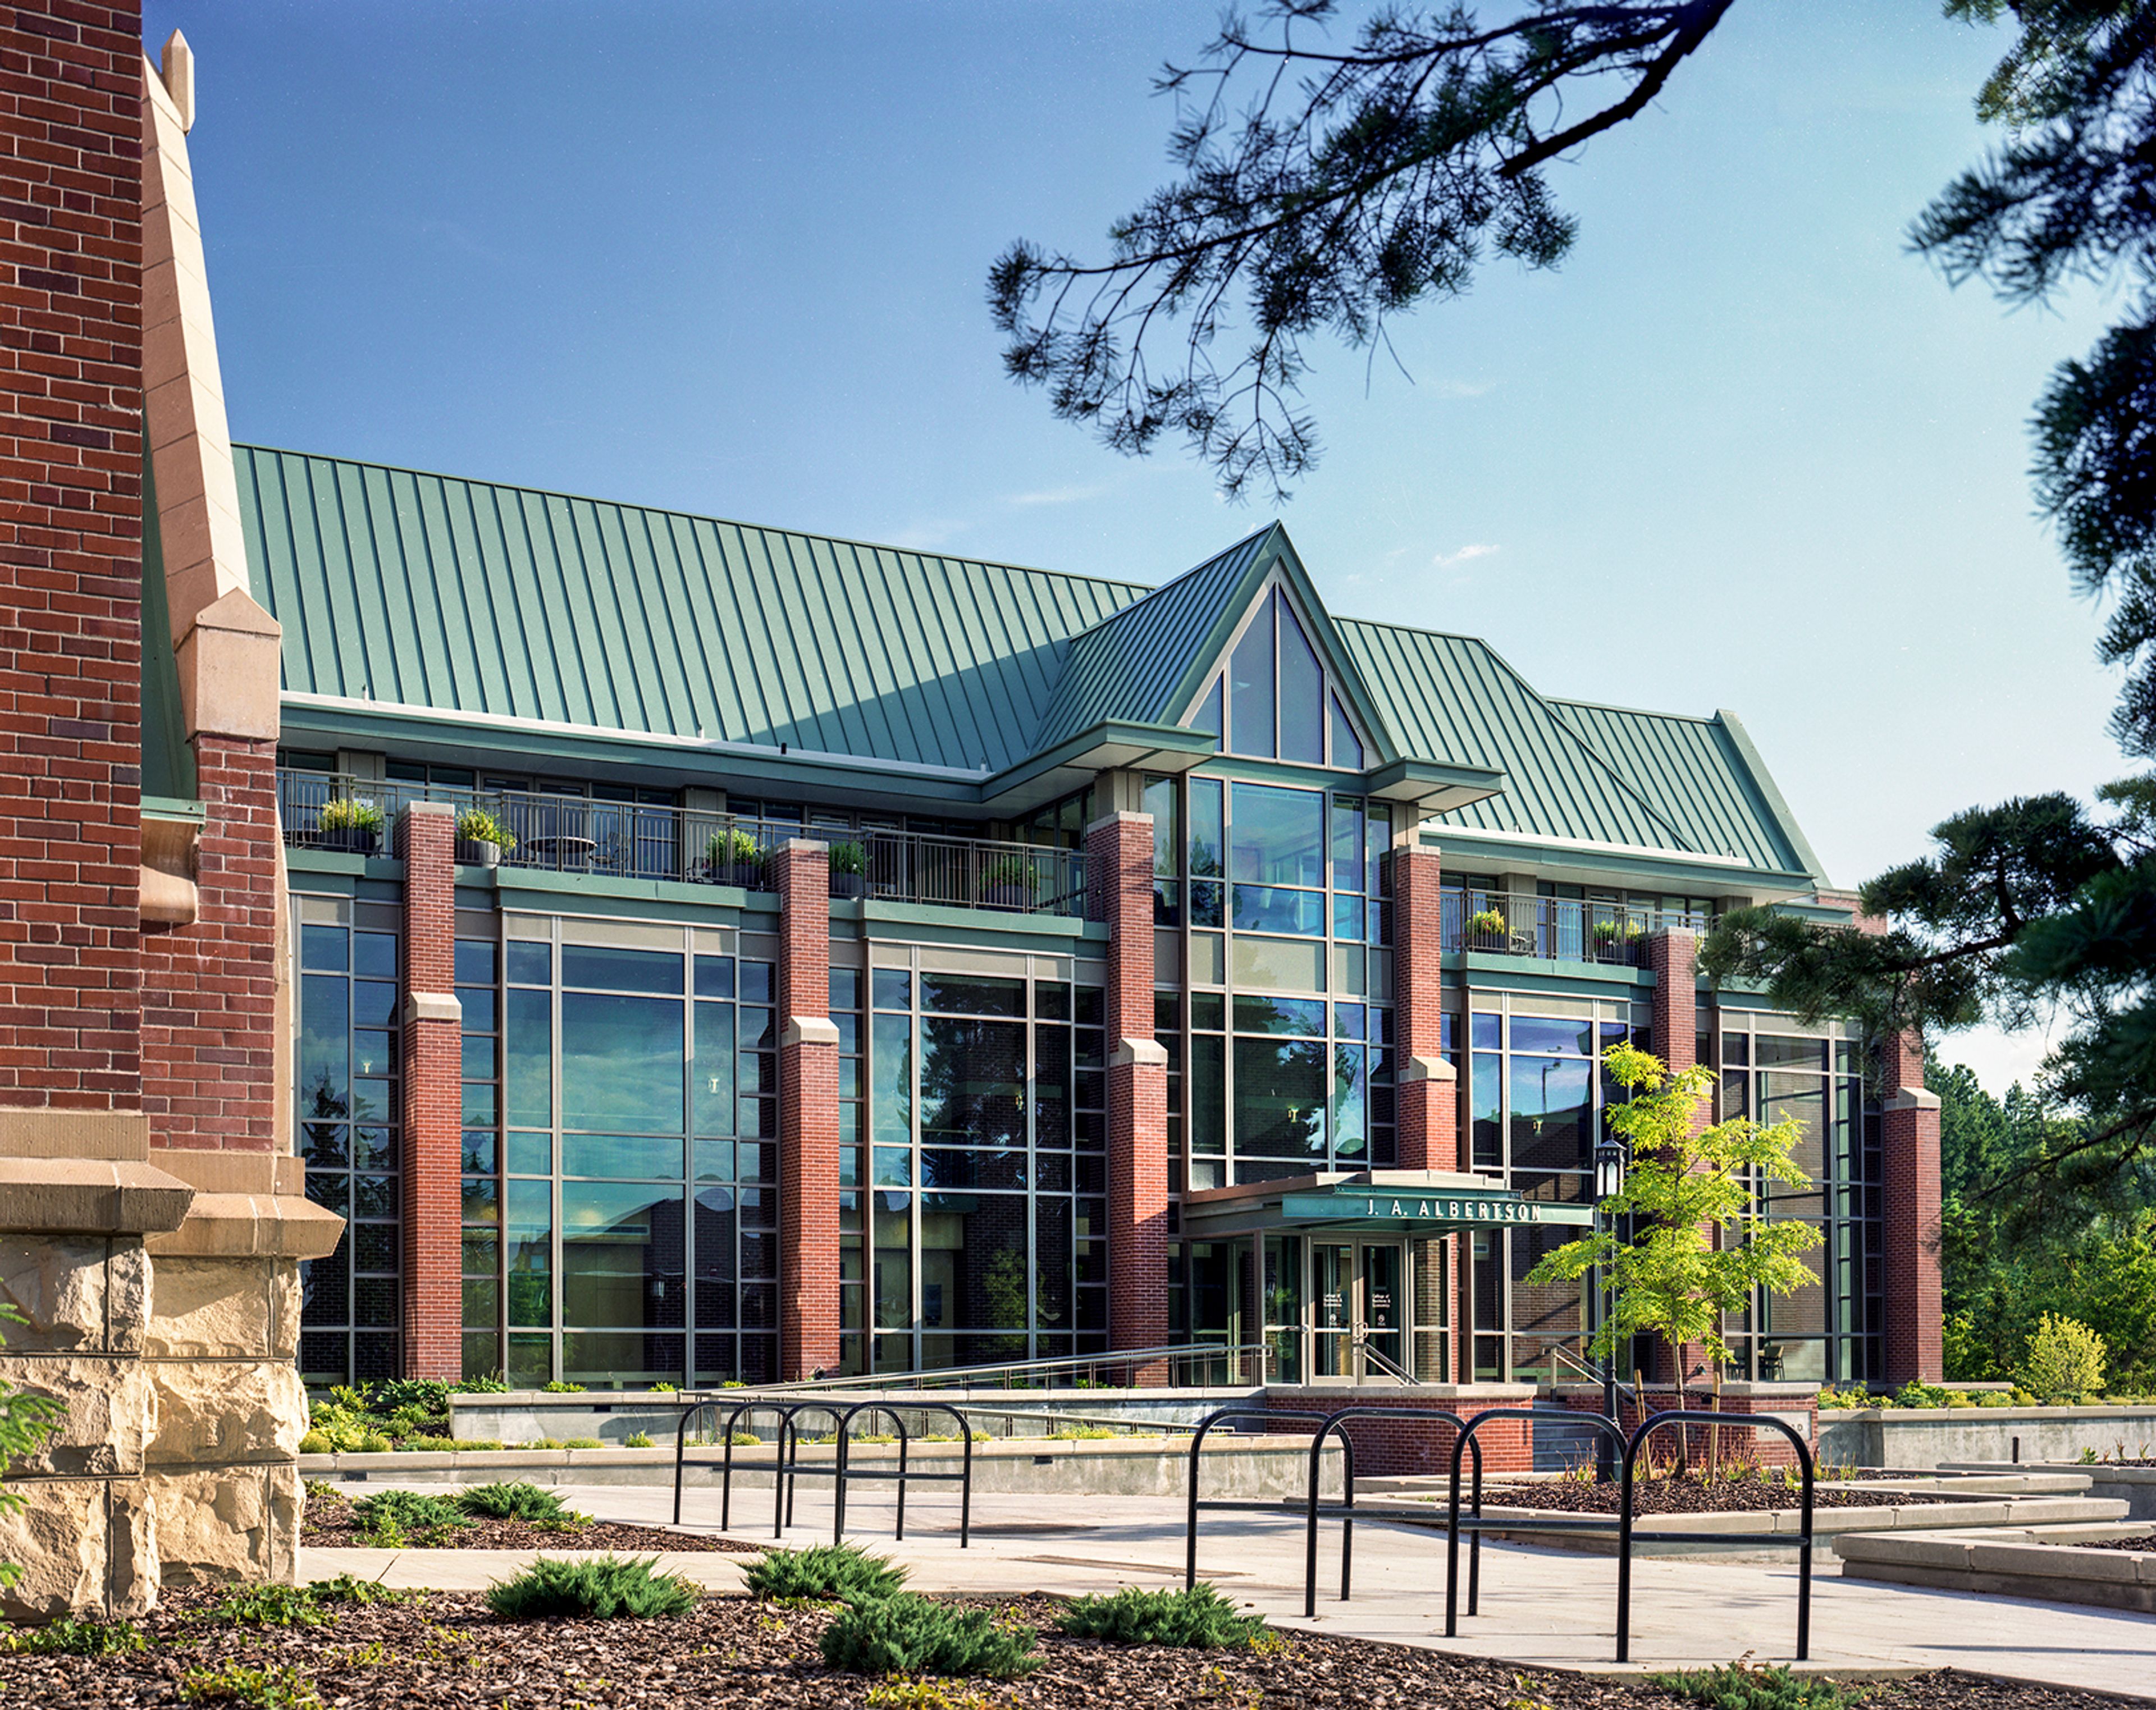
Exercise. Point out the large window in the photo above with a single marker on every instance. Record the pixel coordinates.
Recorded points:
(1273, 698)
(346, 1082)
(972, 1221)
(620, 1197)
(1830, 1331)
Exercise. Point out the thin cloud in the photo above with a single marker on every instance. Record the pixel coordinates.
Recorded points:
(1465, 389)
(1467, 554)
(1056, 495)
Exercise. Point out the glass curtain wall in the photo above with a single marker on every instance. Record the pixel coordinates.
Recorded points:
(1536, 1101)
(620, 1151)
(346, 1083)
(1286, 1068)
(1830, 1333)
(972, 1225)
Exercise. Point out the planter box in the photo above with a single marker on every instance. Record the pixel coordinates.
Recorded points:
(355, 841)
(478, 855)
(849, 885)
(745, 875)
(1012, 897)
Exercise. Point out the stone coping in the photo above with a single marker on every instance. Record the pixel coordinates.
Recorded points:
(1916, 1517)
(2037, 1562)
(1075, 1400)
(1961, 1416)
(2089, 1471)
(1739, 1388)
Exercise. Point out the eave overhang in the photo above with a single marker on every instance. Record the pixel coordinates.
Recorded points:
(1720, 874)
(1433, 786)
(1070, 764)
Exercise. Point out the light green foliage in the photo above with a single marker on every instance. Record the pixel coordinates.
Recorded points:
(237, 1683)
(581, 1443)
(556, 1386)
(904, 1634)
(529, 1502)
(68, 1637)
(664, 1388)
(345, 815)
(269, 1605)
(823, 1573)
(482, 1386)
(476, 825)
(1199, 1619)
(912, 1692)
(602, 1588)
(348, 1588)
(1668, 1281)
(316, 1443)
(636, 1440)
(1738, 1685)
(2065, 1360)
(848, 858)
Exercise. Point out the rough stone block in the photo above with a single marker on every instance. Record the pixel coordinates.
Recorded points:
(58, 1538)
(224, 1308)
(242, 1523)
(221, 1413)
(109, 1414)
(58, 1283)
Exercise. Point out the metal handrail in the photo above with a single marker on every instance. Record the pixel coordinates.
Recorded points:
(1011, 1374)
(1557, 1351)
(1553, 928)
(555, 832)
(1384, 1363)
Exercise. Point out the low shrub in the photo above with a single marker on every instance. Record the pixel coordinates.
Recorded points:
(1199, 1619)
(825, 1573)
(558, 1387)
(67, 1637)
(316, 1443)
(440, 1446)
(2065, 1360)
(911, 1692)
(407, 1511)
(636, 1440)
(374, 1443)
(237, 1683)
(603, 1587)
(904, 1634)
(529, 1502)
(583, 1443)
(1738, 1685)
(482, 1386)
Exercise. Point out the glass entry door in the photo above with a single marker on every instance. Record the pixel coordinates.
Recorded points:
(1358, 1307)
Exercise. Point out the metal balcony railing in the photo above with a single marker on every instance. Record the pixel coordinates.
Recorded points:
(1553, 928)
(569, 834)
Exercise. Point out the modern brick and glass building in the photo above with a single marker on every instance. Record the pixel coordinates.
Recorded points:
(896, 962)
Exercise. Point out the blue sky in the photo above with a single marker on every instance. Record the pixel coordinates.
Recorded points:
(1741, 451)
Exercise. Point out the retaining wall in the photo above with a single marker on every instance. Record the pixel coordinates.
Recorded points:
(1929, 1437)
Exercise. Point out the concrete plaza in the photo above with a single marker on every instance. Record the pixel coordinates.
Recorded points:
(1540, 1608)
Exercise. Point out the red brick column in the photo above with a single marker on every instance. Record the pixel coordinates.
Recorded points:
(1119, 887)
(209, 988)
(434, 1097)
(1673, 957)
(1397, 1448)
(807, 1114)
(71, 559)
(1909, 1166)
(1428, 1094)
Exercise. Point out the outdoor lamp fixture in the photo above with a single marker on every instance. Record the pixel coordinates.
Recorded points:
(1610, 1158)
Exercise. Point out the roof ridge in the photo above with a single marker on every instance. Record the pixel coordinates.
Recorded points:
(1636, 712)
(841, 540)
(1204, 563)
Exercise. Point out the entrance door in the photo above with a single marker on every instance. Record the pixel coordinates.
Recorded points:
(1359, 1307)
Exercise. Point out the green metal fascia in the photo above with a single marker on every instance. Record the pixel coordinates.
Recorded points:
(354, 866)
(1408, 769)
(1770, 795)
(1708, 874)
(1160, 738)
(709, 905)
(973, 928)
(175, 808)
(1493, 972)
(1815, 912)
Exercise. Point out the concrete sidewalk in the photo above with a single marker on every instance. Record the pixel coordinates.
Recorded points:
(1540, 1608)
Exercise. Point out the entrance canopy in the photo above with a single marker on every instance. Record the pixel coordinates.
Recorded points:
(1413, 1203)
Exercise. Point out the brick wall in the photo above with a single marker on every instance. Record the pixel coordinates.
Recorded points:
(434, 1097)
(1909, 1171)
(1119, 883)
(807, 1114)
(1673, 957)
(70, 555)
(1428, 1097)
(209, 989)
(1740, 1444)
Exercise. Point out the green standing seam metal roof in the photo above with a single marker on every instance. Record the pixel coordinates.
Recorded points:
(480, 599)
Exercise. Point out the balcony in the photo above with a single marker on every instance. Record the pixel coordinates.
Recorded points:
(1553, 928)
(568, 834)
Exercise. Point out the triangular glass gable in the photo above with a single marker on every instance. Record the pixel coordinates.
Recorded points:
(1272, 702)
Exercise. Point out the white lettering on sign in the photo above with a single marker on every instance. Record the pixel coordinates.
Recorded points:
(1397, 1212)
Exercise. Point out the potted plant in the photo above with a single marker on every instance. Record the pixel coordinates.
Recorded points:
(732, 857)
(352, 824)
(1486, 923)
(482, 838)
(849, 870)
(1007, 883)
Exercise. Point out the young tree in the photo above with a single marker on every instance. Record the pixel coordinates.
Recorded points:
(1699, 1245)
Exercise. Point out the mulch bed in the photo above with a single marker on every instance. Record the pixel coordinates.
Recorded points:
(2147, 1543)
(328, 1524)
(450, 1650)
(1678, 1496)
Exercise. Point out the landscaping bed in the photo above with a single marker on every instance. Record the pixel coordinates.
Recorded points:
(1677, 1496)
(2146, 1541)
(444, 1649)
(332, 1521)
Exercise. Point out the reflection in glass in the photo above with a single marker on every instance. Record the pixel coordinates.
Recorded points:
(1301, 692)
(1278, 837)
(622, 1063)
(1250, 688)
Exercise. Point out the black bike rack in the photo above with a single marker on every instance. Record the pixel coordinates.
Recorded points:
(1314, 1507)
(787, 1466)
(1625, 1534)
(1475, 1524)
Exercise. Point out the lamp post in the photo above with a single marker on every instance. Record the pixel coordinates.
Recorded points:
(1610, 1158)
